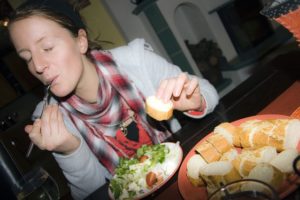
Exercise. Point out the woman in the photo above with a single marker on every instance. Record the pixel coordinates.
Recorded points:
(98, 96)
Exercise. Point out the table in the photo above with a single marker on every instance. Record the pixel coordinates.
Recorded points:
(269, 91)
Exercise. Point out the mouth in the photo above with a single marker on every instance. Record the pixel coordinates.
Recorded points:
(50, 81)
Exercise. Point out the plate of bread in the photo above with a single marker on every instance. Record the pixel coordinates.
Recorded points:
(260, 147)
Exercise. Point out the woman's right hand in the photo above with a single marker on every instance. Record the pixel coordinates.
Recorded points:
(50, 133)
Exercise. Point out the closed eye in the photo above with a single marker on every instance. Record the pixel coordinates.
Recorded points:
(48, 49)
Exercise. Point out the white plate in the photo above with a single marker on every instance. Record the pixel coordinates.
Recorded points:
(172, 163)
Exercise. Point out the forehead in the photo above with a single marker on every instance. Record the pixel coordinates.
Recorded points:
(34, 22)
(34, 28)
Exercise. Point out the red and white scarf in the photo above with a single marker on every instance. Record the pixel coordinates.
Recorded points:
(97, 122)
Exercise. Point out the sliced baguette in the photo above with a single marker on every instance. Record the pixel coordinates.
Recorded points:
(157, 109)
(280, 133)
(230, 132)
(230, 155)
(247, 131)
(292, 134)
(208, 152)
(219, 173)
(267, 173)
(194, 165)
(220, 143)
(249, 158)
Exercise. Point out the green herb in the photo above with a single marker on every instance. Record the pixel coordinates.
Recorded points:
(130, 174)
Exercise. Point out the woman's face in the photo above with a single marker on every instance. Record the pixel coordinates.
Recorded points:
(52, 54)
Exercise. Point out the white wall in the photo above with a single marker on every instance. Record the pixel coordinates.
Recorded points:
(134, 26)
(191, 23)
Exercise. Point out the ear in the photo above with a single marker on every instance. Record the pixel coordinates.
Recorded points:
(82, 41)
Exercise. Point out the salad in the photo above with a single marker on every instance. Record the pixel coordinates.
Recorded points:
(137, 176)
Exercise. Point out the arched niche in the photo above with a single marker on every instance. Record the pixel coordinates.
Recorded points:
(191, 23)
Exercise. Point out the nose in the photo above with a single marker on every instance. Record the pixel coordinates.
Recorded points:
(40, 63)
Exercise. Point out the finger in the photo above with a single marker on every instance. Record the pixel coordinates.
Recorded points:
(46, 121)
(161, 89)
(54, 121)
(28, 128)
(193, 84)
(169, 90)
(180, 82)
(60, 118)
(46, 113)
(35, 134)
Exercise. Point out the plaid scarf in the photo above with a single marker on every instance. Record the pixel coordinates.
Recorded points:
(98, 122)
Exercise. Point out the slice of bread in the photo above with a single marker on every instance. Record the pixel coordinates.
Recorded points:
(280, 133)
(247, 131)
(249, 158)
(284, 160)
(194, 165)
(208, 152)
(220, 143)
(267, 173)
(157, 109)
(292, 134)
(219, 173)
(230, 155)
(230, 132)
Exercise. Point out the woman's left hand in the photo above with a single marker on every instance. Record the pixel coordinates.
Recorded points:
(183, 91)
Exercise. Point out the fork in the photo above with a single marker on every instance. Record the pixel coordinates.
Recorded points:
(46, 100)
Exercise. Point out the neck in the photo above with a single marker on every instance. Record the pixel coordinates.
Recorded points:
(87, 88)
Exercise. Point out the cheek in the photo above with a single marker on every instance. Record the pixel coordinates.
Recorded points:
(69, 79)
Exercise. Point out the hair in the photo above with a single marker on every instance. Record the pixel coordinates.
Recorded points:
(61, 19)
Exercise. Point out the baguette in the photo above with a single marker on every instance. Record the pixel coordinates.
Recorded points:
(249, 158)
(247, 131)
(157, 109)
(219, 173)
(266, 151)
(230, 132)
(220, 143)
(279, 133)
(230, 155)
(267, 173)
(194, 166)
(208, 152)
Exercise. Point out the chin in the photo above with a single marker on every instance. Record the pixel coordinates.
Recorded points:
(61, 93)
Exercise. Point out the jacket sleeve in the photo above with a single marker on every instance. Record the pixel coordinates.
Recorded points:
(139, 60)
(82, 169)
